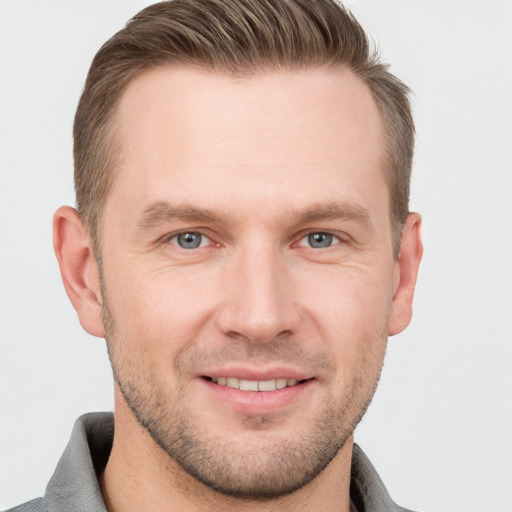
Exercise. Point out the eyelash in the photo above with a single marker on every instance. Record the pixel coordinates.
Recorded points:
(335, 239)
(175, 236)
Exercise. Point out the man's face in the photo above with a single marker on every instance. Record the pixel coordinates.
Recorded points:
(247, 245)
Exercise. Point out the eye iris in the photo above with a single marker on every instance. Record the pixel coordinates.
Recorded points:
(189, 240)
(320, 240)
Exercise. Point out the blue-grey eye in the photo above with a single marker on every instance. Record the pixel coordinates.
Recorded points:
(318, 240)
(189, 240)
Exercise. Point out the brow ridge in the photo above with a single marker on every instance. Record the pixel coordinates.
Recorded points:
(162, 211)
(335, 210)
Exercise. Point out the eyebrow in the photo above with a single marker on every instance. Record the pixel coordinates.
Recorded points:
(162, 211)
(335, 210)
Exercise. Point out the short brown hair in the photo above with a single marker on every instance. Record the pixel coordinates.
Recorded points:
(239, 37)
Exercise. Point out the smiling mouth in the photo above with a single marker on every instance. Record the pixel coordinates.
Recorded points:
(255, 385)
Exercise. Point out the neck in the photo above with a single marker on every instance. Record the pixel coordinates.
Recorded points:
(141, 476)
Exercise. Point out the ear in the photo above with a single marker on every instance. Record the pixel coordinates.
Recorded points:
(406, 272)
(78, 268)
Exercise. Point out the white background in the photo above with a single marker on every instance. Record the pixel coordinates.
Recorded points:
(440, 428)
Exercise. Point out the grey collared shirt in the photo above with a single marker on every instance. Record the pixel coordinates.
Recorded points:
(74, 486)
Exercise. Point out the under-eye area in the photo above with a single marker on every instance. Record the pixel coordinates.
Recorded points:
(255, 385)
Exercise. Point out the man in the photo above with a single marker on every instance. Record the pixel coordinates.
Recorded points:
(243, 242)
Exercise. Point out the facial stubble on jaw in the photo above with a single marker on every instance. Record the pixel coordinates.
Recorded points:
(282, 467)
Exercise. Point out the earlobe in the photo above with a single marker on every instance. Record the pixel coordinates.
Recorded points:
(406, 272)
(78, 268)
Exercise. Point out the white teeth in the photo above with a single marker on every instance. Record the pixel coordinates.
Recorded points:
(267, 385)
(248, 385)
(233, 382)
(254, 385)
(281, 383)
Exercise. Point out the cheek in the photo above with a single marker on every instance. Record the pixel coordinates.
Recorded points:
(159, 309)
(348, 298)
(351, 314)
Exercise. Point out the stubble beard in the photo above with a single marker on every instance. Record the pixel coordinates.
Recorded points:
(283, 466)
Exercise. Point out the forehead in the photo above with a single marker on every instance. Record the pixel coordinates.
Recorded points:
(283, 134)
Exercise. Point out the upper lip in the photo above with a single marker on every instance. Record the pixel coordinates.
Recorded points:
(258, 374)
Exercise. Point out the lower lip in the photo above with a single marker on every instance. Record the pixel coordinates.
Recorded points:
(258, 402)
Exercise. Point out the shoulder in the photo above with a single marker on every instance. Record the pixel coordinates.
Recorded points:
(37, 505)
(367, 490)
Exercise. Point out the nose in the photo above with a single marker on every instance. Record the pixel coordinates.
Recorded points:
(259, 303)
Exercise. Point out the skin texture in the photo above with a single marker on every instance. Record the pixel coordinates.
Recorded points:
(251, 168)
